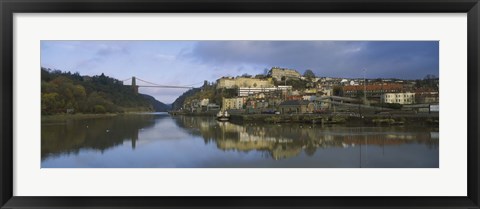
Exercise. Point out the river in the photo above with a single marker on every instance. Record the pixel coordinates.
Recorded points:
(159, 140)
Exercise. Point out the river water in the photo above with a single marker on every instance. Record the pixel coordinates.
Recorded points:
(162, 141)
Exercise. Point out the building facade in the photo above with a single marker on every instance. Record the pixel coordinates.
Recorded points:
(233, 103)
(427, 96)
(371, 90)
(297, 107)
(278, 73)
(399, 98)
(243, 82)
(246, 91)
(204, 102)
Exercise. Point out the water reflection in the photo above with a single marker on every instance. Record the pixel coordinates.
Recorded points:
(288, 140)
(158, 140)
(99, 134)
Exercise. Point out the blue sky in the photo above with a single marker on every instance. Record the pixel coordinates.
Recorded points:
(192, 62)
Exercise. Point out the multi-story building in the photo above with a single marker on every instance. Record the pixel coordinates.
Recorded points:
(398, 98)
(243, 82)
(371, 90)
(297, 106)
(427, 96)
(233, 103)
(246, 91)
(330, 82)
(278, 73)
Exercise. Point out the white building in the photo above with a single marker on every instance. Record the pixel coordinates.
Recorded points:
(398, 98)
(242, 92)
(309, 97)
(327, 92)
(204, 102)
(316, 79)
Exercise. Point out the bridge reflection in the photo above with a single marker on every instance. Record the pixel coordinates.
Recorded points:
(70, 136)
(275, 141)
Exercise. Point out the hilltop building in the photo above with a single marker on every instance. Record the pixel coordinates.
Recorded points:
(250, 91)
(243, 82)
(278, 73)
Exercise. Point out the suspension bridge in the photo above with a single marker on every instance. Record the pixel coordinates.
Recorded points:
(138, 82)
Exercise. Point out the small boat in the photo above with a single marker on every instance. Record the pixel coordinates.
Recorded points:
(223, 115)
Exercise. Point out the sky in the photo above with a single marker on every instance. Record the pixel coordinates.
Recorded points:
(189, 63)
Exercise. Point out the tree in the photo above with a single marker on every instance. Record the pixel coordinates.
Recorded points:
(309, 74)
(337, 91)
(265, 71)
(360, 94)
(429, 81)
(430, 77)
(66, 90)
(50, 103)
(246, 75)
(79, 92)
(77, 76)
(99, 109)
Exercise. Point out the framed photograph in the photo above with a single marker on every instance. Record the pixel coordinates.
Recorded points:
(239, 104)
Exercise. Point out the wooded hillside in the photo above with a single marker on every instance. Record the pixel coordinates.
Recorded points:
(64, 92)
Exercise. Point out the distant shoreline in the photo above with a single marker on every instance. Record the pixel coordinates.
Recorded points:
(78, 116)
(267, 118)
(371, 119)
(377, 120)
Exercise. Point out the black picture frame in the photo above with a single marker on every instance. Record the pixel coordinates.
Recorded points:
(10, 7)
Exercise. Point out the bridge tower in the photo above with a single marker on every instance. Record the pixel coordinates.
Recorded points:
(135, 139)
(134, 85)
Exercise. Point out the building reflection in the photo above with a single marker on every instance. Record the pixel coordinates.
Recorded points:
(276, 141)
(280, 141)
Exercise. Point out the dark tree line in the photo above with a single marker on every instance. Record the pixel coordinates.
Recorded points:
(429, 81)
(63, 92)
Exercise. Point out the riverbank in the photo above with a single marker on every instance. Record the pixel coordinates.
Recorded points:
(209, 113)
(351, 119)
(338, 119)
(78, 116)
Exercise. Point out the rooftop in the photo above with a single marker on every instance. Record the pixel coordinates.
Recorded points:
(373, 87)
